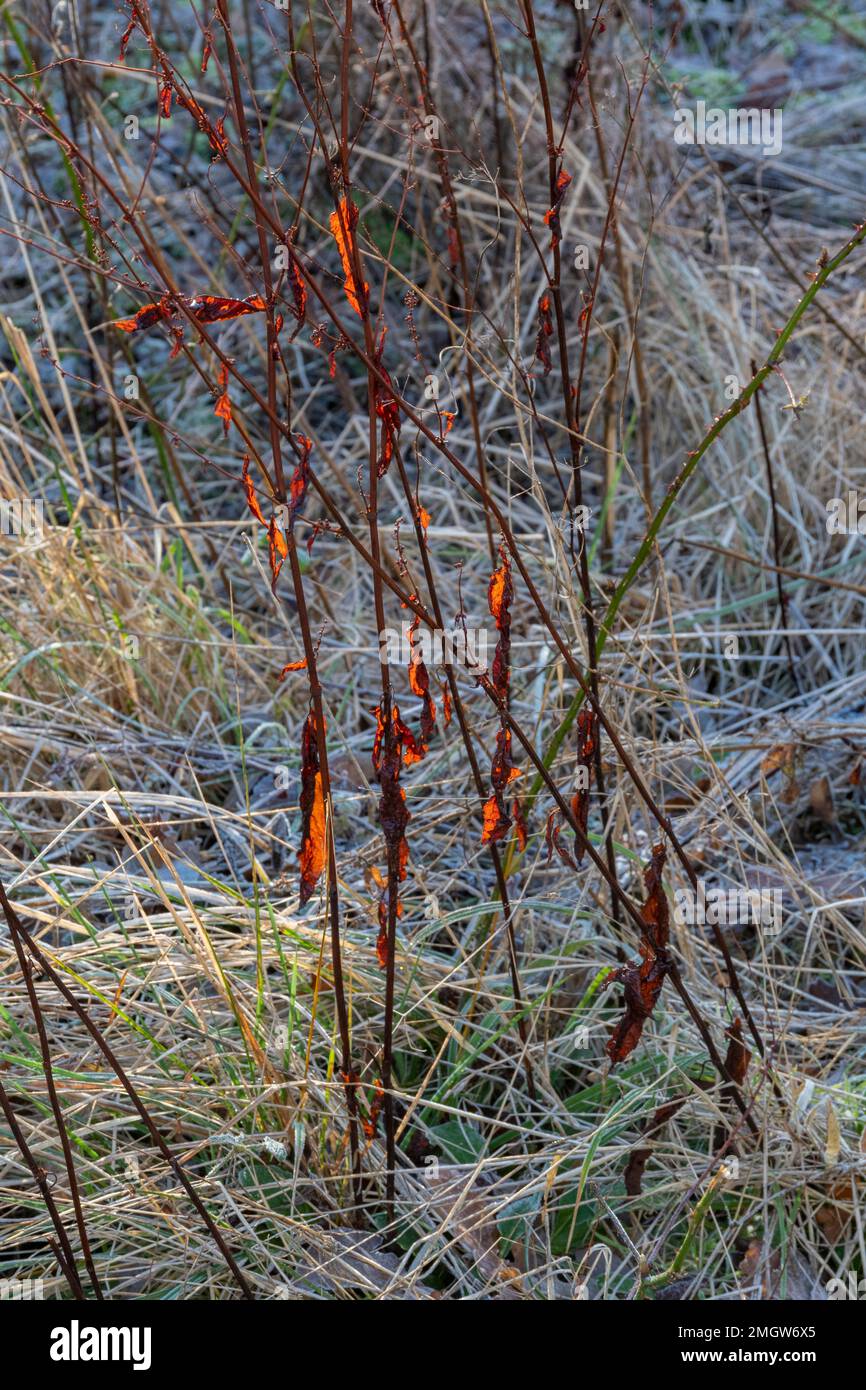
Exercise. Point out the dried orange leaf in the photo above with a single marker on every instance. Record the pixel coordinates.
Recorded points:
(780, 756)
(312, 852)
(643, 981)
(293, 666)
(250, 492)
(125, 37)
(208, 308)
(545, 331)
(300, 478)
(276, 547)
(738, 1055)
(223, 408)
(551, 217)
(342, 224)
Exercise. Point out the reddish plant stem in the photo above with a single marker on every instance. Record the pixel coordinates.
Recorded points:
(496, 858)
(777, 542)
(346, 1068)
(444, 174)
(63, 1254)
(54, 1101)
(17, 929)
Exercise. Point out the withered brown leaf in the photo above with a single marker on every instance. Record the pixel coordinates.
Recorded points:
(642, 981)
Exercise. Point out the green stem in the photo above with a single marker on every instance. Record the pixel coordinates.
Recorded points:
(673, 492)
(74, 181)
(653, 1281)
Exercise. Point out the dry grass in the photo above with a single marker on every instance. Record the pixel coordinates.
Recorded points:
(151, 773)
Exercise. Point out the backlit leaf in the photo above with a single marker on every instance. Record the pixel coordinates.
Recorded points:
(312, 852)
(342, 224)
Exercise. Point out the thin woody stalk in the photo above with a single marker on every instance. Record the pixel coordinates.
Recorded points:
(645, 548)
(17, 928)
(480, 787)
(333, 908)
(719, 424)
(343, 205)
(54, 1100)
(63, 1253)
(444, 173)
(572, 396)
(777, 544)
